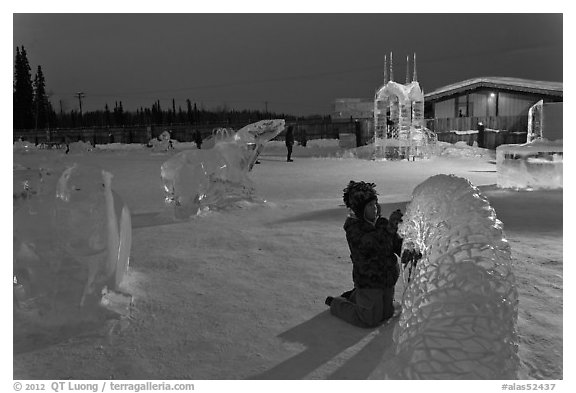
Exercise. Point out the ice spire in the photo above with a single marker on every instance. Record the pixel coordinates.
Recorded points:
(407, 69)
(391, 69)
(414, 76)
(385, 70)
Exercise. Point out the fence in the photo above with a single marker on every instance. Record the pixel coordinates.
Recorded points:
(512, 130)
(508, 123)
(313, 129)
(492, 139)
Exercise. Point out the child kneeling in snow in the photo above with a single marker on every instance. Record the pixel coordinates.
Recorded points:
(373, 243)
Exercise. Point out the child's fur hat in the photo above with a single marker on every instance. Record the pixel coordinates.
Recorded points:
(357, 195)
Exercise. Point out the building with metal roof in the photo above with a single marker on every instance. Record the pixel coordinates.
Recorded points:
(499, 103)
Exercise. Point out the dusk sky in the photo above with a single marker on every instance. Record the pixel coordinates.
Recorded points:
(293, 63)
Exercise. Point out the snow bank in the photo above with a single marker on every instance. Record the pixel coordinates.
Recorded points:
(315, 148)
(461, 150)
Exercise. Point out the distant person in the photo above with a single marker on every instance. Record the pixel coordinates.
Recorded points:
(373, 243)
(389, 127)
(481, 132)
(67, 144)
(460, 113)
(289, 143)
(358, 133)
(198, 139)
(303, 137)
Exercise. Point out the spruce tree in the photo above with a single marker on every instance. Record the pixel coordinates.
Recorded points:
(107, 115)
(40, 102)
(173, 111)
(189, 110)
(23, 92)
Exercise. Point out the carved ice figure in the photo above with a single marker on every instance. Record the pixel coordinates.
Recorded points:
(72, 238)
(459, 311)
(21, 146)
(162, 143)
(534, 165)
(79, 147)
(535, 121)
(218, 176)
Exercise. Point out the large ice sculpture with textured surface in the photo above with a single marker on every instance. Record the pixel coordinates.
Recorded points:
(534, 165)
(216, 177)
(399, 130)
(72, 237)
(459, 311)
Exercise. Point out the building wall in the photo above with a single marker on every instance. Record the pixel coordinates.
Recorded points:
(552, 125)
(511, 104)
(479, 104)
(445, 109)
(483, 102)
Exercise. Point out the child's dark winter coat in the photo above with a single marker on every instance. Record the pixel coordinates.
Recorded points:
(372, 250)
(373, 241)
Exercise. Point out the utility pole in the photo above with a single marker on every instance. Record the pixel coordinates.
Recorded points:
(80, 95)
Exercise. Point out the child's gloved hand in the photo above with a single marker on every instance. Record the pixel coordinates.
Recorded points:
(395, 219)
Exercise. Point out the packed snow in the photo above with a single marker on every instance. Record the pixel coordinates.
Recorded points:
(239, 293)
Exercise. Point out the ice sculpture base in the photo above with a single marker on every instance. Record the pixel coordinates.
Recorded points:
(535, 165)
(418, 143)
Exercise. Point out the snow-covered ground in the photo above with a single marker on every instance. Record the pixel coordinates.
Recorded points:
(239, 294)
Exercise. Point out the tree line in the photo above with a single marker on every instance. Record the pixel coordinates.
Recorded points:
(33, 109)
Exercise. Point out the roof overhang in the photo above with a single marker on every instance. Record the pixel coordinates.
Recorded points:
(518, 85)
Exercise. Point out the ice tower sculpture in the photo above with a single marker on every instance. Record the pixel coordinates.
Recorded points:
(216, 177)
(460, 309)
(72, 237)
(399, 130)
(538, 163)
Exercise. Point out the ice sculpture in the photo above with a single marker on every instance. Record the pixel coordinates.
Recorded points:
(399, 130)
(162, 143)
(534, 165)
(535, 121)
(545, 121)
(459, 311)
(21, 146)
(72, 237)
(79, 147)
(216, 177)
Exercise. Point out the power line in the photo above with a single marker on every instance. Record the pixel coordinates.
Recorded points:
(423, 60)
